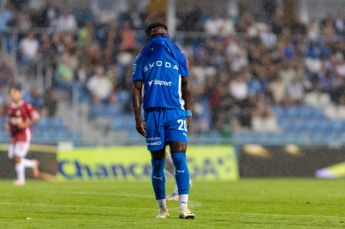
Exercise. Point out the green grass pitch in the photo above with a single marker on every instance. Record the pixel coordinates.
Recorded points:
(249, 203)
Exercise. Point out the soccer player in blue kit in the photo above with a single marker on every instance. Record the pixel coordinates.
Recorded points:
(160, 78)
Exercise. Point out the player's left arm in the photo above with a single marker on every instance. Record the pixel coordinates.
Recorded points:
(186, 94)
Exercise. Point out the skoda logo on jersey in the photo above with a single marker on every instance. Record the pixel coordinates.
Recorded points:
(160, 83)
(160, 64)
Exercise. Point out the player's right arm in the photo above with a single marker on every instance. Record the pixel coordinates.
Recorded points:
(137, 99)
(137, 103)
(6, 125)
(7, 120)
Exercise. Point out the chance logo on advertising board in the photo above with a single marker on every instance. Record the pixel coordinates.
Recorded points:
(133, 163)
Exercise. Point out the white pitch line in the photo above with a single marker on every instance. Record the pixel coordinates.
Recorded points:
(193, 203)
(273, 214)
(105, 194)
(153, 209)
(72, 206)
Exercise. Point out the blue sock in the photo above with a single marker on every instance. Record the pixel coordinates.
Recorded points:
(182, 173)
(158, 178)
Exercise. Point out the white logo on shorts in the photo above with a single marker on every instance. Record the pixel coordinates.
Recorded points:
(154, 143)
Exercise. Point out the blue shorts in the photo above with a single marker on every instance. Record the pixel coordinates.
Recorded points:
(165, 125)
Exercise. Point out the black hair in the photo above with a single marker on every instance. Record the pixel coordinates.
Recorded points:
(154, 25)
(17, 86)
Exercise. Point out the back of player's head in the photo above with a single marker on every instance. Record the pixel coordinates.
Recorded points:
(150, 28)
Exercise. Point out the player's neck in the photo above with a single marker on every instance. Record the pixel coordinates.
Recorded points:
(17, 102)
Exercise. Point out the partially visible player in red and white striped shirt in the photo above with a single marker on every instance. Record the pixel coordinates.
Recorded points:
(20, 117)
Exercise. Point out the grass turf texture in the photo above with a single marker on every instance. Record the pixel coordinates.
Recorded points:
(261, 203)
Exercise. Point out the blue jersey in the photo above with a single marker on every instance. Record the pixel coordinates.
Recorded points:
(161, 66)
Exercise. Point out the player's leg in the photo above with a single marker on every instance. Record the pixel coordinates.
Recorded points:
(20, 171)
(33, 164)
(155, 144)
(18, 165)
(19, 153)
(176, 137)
(158, 181)
(178, 155)
(169, 166)
(29, 163)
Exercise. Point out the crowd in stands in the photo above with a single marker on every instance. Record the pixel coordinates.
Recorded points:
(239, 67)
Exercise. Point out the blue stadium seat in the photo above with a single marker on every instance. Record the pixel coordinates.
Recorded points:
(104, 111)
(48, 130)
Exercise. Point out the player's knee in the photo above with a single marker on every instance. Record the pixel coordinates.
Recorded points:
(178, 147)
(158, 155)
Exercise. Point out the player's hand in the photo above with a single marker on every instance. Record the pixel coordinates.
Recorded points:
(22, 125)
(6, 126)
(189, 120)
(141, 127)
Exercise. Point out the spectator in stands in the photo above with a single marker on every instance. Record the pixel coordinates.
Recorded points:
(5, 17)
(29, 49)
(36, 99)
(6, 72)
(268, 38)
(128, 41)
(214, 25)
(190, 18)
(328, 30)
(287, 73)
(100, 86)
(339, 24)
(3, 100)
(92, 56)
(86, 34)
(239, 88)
(23, 20)
(51, 13)
(51, 102)
(340, 65)
(295, 92)
(242, 104)
(64, 73)
(228, 27)
(71, 57)
(66, 22)
(48, 53)
(263, 107)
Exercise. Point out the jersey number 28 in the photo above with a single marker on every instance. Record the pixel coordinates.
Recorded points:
(183, 125)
